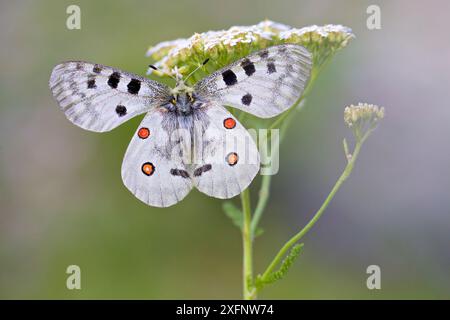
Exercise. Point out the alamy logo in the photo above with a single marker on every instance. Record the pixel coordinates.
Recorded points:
(374, 280)
(74, 279)
(373, 21)
(73, 21)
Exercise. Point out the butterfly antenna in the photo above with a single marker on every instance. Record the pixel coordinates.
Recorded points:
(167, 74)
(190, 74)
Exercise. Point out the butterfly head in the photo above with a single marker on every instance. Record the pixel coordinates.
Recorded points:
(183, 99)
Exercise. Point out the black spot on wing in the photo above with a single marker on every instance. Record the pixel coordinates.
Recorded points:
(198, 172)
(134, 86)
(121, 110)
(264, 53)
(114, 80)
(179, 172)
(248, 67)
(271, 67)
(247, 99)
(96, 69)
(229, 77)
(91, 84)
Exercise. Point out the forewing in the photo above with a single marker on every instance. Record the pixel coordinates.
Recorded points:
(264, 83)
(153, 168)
(100, 98)
(227, 159)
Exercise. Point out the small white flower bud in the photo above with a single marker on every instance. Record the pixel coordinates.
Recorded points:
(362, 114)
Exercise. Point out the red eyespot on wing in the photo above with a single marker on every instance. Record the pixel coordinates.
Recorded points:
(148, 168)
(143, 133)
(229, 123)
(232, 158)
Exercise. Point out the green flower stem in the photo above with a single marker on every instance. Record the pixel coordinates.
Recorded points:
(247, 245)
(250, 224)
(291, 242)
(264, 192)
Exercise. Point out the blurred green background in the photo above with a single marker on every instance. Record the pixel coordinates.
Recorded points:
(63, 201)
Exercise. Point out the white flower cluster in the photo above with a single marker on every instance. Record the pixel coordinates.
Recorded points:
(240, 40)
(362, 113)
(323, 31)
(328, 31)
(245, 34)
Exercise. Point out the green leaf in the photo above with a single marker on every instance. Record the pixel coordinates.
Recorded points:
(259, 232)
(234, 213)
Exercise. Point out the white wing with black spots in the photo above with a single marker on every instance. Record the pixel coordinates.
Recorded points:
(100, 98)
(264, 83)
(153, 168)
(227, 158)
(187, 139)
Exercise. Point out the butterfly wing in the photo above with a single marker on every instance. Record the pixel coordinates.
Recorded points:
(227, 159)
(264, 83)
(100, 98)
(153, 168)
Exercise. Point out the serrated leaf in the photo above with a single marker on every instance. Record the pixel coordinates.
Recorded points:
(281, 272)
